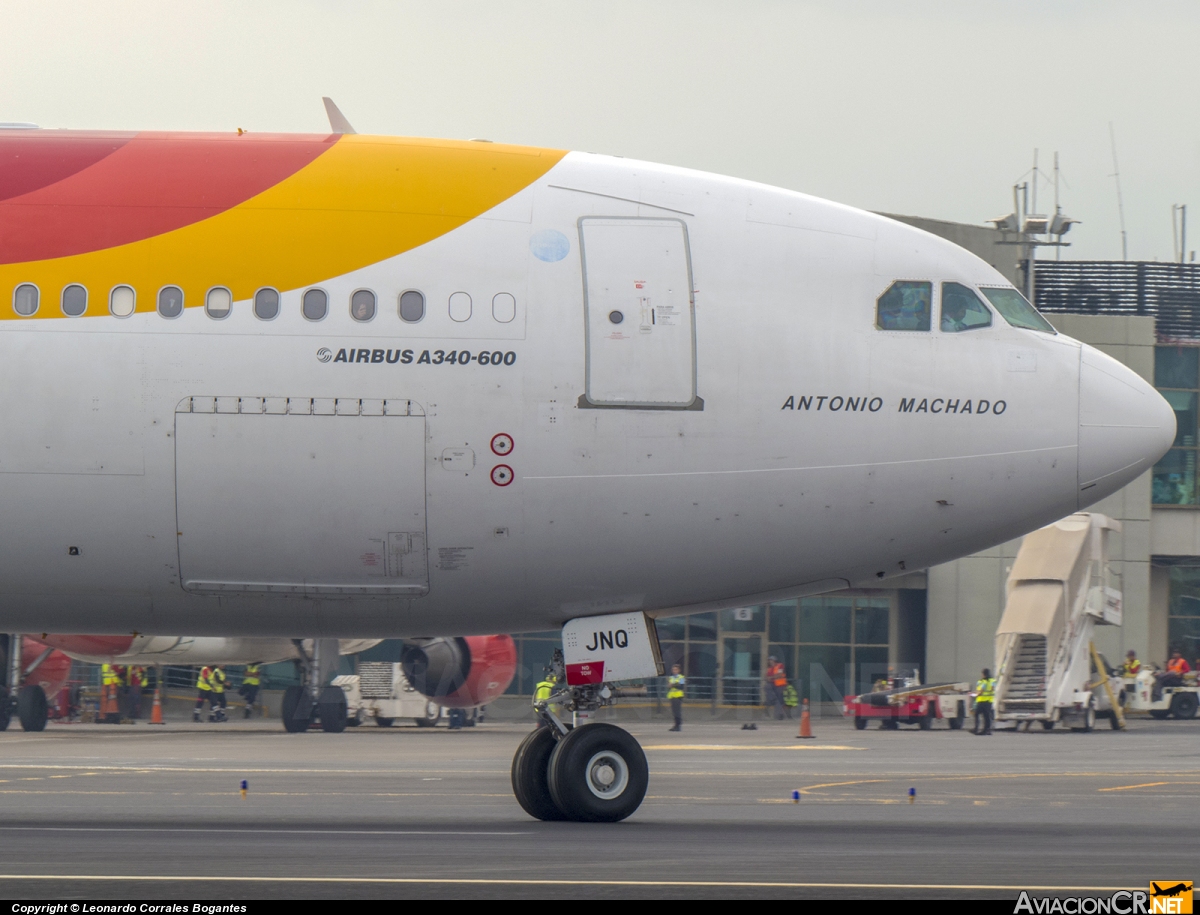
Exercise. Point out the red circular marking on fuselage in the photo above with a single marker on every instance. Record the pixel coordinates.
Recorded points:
(502, 475)
(502, 444)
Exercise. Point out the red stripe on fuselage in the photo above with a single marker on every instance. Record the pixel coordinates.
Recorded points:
(108, 646)
(30, 160)
(151, 185)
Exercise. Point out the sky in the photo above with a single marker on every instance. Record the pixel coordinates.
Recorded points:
(923, 107)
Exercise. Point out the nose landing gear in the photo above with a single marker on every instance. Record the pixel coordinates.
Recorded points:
(593, 773)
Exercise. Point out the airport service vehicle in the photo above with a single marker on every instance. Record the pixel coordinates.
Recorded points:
(1173, 701)
(380, 692)
(1060, 588)
(905, 700)
(457, 673)
(342, 386)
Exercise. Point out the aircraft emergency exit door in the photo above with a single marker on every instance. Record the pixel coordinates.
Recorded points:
(641, 334)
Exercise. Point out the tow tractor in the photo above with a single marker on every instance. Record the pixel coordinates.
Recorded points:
(1173, 701)
(903, 700)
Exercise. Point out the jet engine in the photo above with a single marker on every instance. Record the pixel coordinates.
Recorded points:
(460, 672)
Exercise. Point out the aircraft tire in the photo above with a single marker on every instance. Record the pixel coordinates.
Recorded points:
(1089, 719)
(292, 697)
(1183, 705)
(598, 774)
(331, 708)
(384, 722)
(433, 712)
(530, 775)
(32, 708)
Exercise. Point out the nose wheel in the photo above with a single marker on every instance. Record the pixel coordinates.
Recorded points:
(596, 773)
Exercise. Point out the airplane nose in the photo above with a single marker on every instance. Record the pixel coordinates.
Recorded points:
(1125, 425)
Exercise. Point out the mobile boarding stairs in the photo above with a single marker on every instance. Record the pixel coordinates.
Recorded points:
(1059, 590)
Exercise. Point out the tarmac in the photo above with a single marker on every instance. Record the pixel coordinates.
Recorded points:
(140, 812)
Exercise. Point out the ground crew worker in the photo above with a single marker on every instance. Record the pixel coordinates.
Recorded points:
(1132, 665)
(204, 693)
(249, 688)
(543, 691)
(218, 681)
(675, 686)
(776, 680)
(121, 691)
(110, 679)
(137, 680)
(790, 699)
(985, 695)
(1173, 675)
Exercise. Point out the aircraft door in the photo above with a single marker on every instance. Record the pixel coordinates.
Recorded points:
(639, 311)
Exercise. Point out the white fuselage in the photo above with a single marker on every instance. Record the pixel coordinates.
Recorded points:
(239, 477)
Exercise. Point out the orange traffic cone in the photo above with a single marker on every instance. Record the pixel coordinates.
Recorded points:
(805, 723)
(156, 712)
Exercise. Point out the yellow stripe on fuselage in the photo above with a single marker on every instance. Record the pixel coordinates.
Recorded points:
(362, 201)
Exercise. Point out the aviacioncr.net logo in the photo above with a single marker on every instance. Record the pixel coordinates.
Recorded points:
(324, 354)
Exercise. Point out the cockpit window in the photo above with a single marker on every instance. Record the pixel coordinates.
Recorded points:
(962, 310)
(1015, 308)
(905, 306)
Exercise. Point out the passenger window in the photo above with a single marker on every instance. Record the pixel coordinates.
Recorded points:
(315, 304)
(25, 299)
(460, 306)
(1015, 309)
(266, 304)
(122, 301)
(905, 306)
(74, 300)
(170, 301)
(504, 307)
(362, 305)
(219, 302)
(412, 306)
(962, 310)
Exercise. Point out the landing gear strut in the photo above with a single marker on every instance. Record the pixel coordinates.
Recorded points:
(591, 773)
(29, 702)
(315, 702)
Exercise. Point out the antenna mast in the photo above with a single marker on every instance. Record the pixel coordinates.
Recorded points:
(1120, 204)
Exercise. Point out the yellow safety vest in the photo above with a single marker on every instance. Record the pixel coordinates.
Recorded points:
(218, 680)
(108, 675)
(251, 677)
(543, 690)
(205, 679)
(985, 690)
(676, 683)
